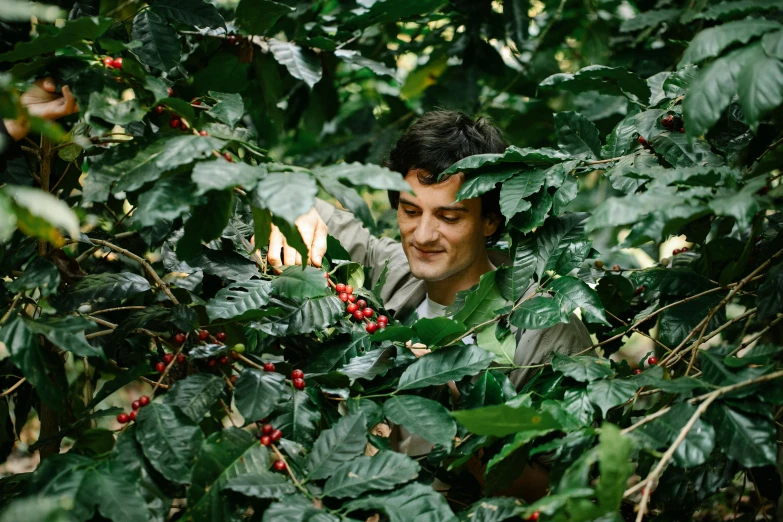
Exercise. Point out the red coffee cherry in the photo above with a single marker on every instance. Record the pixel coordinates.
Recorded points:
(228, 157)
(108, 62)
(276, 435)
(168, 358)
(220, 336)
(616, 268)
(159, 109)
(170, 91)
(637, 371)
(117, 63)
(383, 320)
(348, 289)
(299, 384)
(267, 429)
(339, 288)
(123, 418)
(132, 415)
(160, 367)
(279, 465)
(203, 133)
(135, 405)
(343, 297)
(682, 130)
(361, 303)
(224, 361)
(640, 290)
(180, 338)
(352, 298)
(358, 315)
(144, 400)
(652, 360)
(234, 379)
(642, 141)
(368, 312)
(212, 363)
(231, 39)
(266, 440)
(297, 374)
(174, 123)
(351, 308)
(371, 327)
(269, 367)
(534, 516)
(203, 335)
(684, 249)
(668, 121)
(181, 358)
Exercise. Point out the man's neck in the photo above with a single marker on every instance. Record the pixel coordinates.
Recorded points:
(445, 291)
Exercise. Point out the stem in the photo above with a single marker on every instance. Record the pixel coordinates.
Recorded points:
(767, 150)
(249, 362)
(11, 308)
(117, 309)
(168, 368)
(15, 386)
(288, 468)
(756, 337)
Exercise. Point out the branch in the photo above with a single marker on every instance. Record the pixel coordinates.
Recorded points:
(11, 308)
(756, 337)
(768, 149)
(15, 386)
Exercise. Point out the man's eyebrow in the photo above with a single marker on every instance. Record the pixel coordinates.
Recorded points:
(445, 208)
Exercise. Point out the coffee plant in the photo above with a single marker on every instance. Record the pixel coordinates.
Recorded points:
(128, 270)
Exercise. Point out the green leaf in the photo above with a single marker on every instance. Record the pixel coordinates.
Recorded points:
(770, 293)
(543, 157)
(412, 502)
(572, 293)
(206, 223)
(117, 499)
(67, 333)
(297, 508)
(229, 108)
(749, 439)
(358, 174)
(224, 455)
(256, 17)
(190, 12)
(40, 273)
(257, 393)
(32, 203)
(562, 243)
(501, 465)
(245, 300)
(447, 364)
(436, 331)
(220, 175)
(195, 394)
(606, 80)
(698, 444)
(313, 315)
(674, 147)
(349, 199)
(563, 196)
(582, 368)
(713, 41)
(712, 91)
(7, 215)
(357, 62)
(74, 31)
(514, 281)
(169, 439)
(772, 43)
(421, 416)
(742, 205)
(577, 135)
(103, 287)
(37, 507)
(266, 485)
(368, 365)
(578, 405)
(168, 199)
(651, 18)
(274, 193)
(727, 10)
(384, 470)
(341, 443)
(480, 302)
(536, 314)
(475, 186)
(514, 190)
(504, 348)
(226, 265)
(614, 451)
(119, 113)
(150, 162)
(301, 64)
(495, 509)
(300, 283)
(301, 419)
(160, 47)
(505, 419)
(762, 91)
(609, 393)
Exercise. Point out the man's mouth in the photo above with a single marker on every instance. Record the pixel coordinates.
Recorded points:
(423, 252)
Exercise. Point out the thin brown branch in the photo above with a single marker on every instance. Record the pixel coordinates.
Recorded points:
(117, 309)
(15, 386)
(249, 362)
(757, 336)
(7, 314)
(766, 151)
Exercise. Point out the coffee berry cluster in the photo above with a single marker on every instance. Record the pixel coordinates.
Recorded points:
(124, 418)
(358, 308)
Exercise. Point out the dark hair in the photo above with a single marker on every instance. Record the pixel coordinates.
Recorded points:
(438, 140)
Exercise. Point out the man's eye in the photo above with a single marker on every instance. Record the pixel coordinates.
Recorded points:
(409, 212)
(448, 219)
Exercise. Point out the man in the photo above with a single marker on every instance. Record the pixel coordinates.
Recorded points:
(443, 247)
(443, 250)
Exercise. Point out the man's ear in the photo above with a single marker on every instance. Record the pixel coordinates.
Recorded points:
(491, 224)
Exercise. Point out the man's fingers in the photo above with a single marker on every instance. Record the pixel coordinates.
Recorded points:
(275, 246)
(48, 84)
(289, 254)
(318, 246)
(70, 101)
(253, 240)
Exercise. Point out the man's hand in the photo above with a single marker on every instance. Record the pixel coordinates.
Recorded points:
(42, 101)
(313, 231)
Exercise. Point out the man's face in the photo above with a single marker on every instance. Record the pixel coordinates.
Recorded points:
(441, 238)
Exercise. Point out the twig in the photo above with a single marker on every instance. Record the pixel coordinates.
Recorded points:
(648, 483)
(598, 162)
(632, 329)
(117, 309)
(7, 314)
(168, 368)
(15, 386)
(767, 150)
(249, 362)
(228, 412)
(757, 336)
(287, 467)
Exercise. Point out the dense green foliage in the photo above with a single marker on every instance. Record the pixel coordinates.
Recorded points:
(631, 123)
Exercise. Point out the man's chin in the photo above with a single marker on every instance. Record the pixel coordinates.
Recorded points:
(428, 273)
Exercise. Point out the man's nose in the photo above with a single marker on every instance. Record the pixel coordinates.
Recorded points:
(426, 231)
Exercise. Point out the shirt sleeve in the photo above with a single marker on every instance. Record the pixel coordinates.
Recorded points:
(9, 151)
(363, 247)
